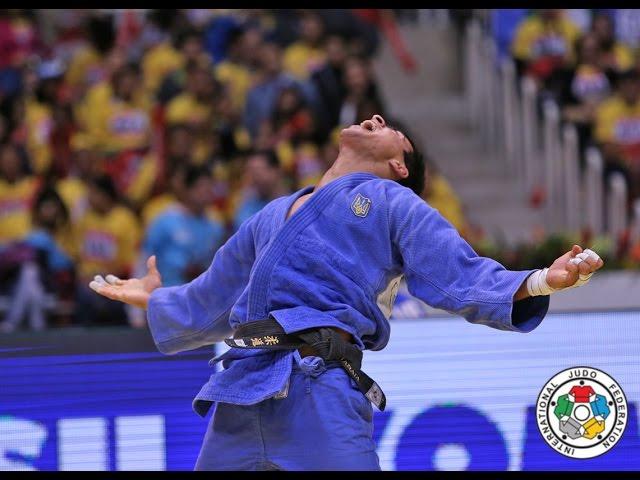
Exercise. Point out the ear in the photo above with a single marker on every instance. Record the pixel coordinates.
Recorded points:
(398, 167)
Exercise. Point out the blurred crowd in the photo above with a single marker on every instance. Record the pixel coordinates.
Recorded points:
(588, 61)
(136, 132)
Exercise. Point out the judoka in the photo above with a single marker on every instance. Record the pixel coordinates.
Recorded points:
(308, 283)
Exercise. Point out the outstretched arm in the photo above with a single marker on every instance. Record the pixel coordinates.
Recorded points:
(197, 313)
(443, 270)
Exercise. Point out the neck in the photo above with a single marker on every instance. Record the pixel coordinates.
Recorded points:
(346, 163)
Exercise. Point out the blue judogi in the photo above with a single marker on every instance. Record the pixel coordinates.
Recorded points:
(336, 262)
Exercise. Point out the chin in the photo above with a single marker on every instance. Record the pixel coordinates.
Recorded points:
(354, 131)
(349, 129)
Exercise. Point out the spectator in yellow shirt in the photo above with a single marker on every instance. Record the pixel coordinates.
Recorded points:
(98, 96)
(233, 137)
(17, 191)
(39, 123)
(616, 55)
(107, 238)
(543, 42)
(162, 58)
(122, 133)
(168, 199)
(581, 88)
(190, 46)
(74, 188)
(195, 107)
(234, 71)
(440, 195)
(124, 122)
(86, 67)
(306, 55)
(617, 130)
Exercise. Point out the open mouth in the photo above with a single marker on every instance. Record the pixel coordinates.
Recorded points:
(369, 125)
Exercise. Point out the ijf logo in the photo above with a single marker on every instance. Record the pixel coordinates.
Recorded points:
(361, 205)
(581, 412)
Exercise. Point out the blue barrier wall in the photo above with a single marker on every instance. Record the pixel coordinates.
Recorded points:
(459, 396)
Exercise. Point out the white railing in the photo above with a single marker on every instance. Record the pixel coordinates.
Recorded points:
(540, 151)
(483, 92)
(552, 164)
(472, 71)
(616, 205)
(493, 100)
(530, 135)
(634, 226)
(592, 191)
(571, 175)
(511, 147)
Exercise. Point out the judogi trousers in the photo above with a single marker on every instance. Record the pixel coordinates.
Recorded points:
(324, 423)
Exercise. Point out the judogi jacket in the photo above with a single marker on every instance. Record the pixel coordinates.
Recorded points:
(337, 261)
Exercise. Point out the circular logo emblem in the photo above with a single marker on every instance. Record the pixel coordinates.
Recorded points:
(581, 412)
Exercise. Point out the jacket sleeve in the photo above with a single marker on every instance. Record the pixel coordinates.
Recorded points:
(189, 316)
(444, 271)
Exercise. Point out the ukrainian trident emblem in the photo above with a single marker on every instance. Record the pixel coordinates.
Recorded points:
(361, 205)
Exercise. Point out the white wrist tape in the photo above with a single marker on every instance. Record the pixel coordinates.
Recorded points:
(537, 283)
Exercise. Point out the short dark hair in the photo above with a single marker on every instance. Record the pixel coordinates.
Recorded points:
(106, 185)
(163, 18)
(414, 162)
(101, 32)
(129, 68)
(185, 34)
(233, 37)
(46, 194)
(193, 173)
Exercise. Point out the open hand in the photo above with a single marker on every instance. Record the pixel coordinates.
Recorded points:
(565, 273)
(135, 291)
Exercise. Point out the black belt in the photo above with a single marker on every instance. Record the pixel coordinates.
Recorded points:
(327, 343)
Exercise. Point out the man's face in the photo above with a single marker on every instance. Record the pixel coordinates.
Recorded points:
(180, 142)
(49, 213)
(263, 177)
(311, 28)
(87, 162)
(630, 90)
(589, 49)
(375, 140)
(100, 201)
(201, 82)
(336, 50)
(251, 43)
(271, 58)
(200, 194)
(10, 168)
(356, 77)
(602, 27)
(192, 48)
(127, 85)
